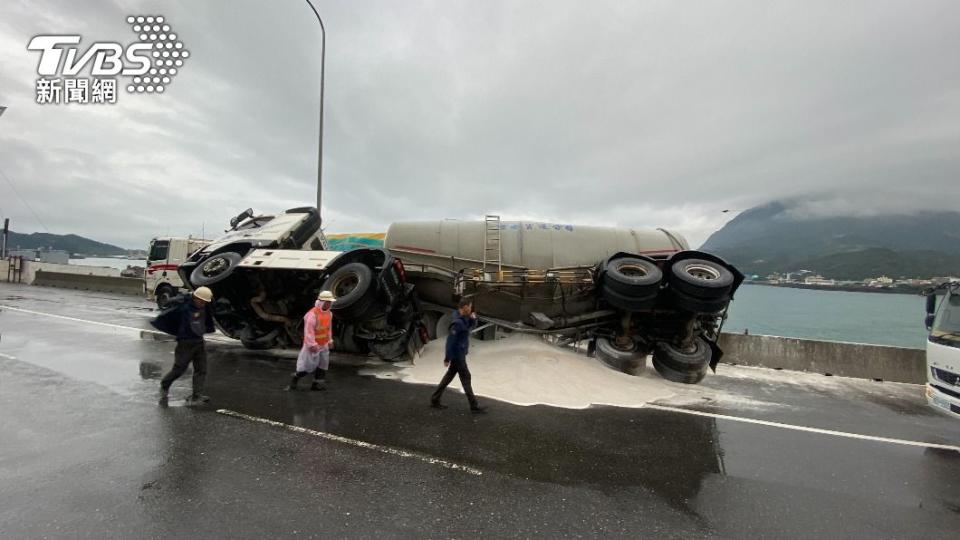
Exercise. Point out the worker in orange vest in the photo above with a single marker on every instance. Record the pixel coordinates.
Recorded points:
(317, 342)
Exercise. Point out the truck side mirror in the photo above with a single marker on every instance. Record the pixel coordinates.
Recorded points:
(931, 304)
(243, 215)
(929, 320)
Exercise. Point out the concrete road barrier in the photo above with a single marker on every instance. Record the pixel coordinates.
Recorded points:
(111, 284)
(895, 364)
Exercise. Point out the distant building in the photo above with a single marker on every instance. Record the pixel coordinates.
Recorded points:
(882, 281)
(819, 280)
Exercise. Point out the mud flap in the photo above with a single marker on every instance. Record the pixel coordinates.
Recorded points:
(715, 354)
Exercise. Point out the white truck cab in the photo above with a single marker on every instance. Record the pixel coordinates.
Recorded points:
(943, 349)
(164, 256)
(265, 273)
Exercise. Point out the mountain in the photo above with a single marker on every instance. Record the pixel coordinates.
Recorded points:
(67, 242)
(777, 237)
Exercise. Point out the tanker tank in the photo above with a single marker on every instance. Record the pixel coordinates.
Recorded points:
(627, 292)
(454, 244)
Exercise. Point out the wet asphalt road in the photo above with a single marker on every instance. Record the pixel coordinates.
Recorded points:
(86, 452)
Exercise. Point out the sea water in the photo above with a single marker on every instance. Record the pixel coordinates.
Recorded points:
(862, 317)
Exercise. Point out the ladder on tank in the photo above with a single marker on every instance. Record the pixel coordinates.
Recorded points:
(491, 246)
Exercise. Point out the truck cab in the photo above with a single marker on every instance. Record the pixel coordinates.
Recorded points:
(164, 256)
(943, 348)
(266, 272)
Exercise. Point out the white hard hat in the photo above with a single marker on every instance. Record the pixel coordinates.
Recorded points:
(204, 293)
(327, 296)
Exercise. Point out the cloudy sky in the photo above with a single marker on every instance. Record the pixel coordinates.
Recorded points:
(638, 114)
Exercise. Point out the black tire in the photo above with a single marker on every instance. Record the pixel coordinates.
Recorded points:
(694, 361)
(697, 305)
(261, 342)
(701, 279)
(362, 311)
(633, 277)
(215, 269)
(354, 288)
(390, 351)
(430, 320)
(685, 377)
(632, 361)
(628, 303)
(164, 294)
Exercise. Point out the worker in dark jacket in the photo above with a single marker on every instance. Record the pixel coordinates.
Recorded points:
(189, 319)
(455, 359)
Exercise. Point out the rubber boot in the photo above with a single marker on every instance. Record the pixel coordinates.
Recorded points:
(293, 382)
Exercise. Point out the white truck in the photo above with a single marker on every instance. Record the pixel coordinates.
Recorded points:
(165, 255)
(943, 348)
(266, 271)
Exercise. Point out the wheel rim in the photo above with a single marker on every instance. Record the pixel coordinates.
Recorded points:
(345, 285)
(215, 267)
(701, 272)
(633, 270)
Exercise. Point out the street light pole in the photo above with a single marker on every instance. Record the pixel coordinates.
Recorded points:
(323, 54)
(6, 221)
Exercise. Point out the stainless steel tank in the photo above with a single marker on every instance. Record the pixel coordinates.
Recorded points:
(435, 252)
(525, 244)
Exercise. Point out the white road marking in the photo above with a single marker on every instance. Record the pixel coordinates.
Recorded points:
(353, 442)
(222, 339)
(804, 428)
(74, 319)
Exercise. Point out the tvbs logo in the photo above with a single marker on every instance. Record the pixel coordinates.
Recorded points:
(149, 64)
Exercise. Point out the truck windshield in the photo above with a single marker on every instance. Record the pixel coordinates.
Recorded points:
(158, 250)
(947, 323)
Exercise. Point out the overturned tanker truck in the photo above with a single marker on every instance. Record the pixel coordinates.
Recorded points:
(266, 271)
(626, 293)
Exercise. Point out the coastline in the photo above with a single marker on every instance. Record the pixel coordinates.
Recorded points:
(844, 288)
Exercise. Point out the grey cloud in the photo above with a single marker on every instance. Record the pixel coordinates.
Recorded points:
(633, 114)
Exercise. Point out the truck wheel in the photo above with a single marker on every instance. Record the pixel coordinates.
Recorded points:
(353, 287)
(705, 280)
(628, 303)
(442, 326)
(215, 269)
(165, 293)
(390, 351)
(258, 343)
(685, 377)
(430, 320)
(684, 361)
(633, 277)
(632, 361)
(697, 305)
